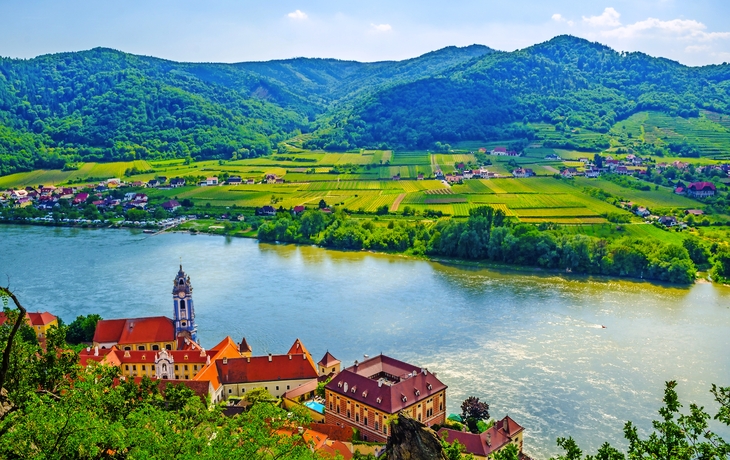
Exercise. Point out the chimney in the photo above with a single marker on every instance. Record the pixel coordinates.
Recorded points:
(365, 357)
(207, 360)
(269, 357)
(248, 359)
(380, 383)
(96, 351)
(288, 356)
(225, 360)
(304, 356)
(88, 349)
(300, 429)
(489, 439)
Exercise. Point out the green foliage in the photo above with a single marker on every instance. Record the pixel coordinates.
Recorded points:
(676, 436)
(508, 452)
(473, 411)
(82, 329)
(60, 410)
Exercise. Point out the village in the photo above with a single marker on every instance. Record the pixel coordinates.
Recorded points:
(350, 407)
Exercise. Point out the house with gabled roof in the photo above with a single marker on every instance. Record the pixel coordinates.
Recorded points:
(701, 189)
(485, 445)
(328, 365)
(275, 373)
(369, 394)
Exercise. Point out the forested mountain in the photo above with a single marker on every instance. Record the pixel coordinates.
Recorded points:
(106, 105)
(567, 81)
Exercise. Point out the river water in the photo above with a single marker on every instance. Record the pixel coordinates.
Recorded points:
(531, 345)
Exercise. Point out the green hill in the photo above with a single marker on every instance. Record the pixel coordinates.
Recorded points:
(105, 105)
(567, 82)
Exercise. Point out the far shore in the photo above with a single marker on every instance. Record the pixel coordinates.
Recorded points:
(703, 277)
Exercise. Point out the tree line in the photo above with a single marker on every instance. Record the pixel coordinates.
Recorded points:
(487, 235)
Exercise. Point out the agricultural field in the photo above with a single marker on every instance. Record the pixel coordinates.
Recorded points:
(363, 182)
(710, 132)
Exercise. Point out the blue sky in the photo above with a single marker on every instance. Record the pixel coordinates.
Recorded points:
(695, 32)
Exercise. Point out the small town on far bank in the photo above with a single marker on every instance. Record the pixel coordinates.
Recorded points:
(351, 408)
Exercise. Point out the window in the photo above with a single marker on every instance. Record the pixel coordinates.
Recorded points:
(127, 348)
(376, 426)
(143, 367)
(134, 367)
(338, 409)
(155, 347)
(441, 406)
(153, 367)
(230, 391)
(365, 421)
(176, 367)
(348, 413)
(385, 429)
(419, 417)
(277, 387)
(140, 347)
(126, 367)
(357, 417)
(287, 387)
(168, 347)
(330, 405)
(195, 367)
(186, 367)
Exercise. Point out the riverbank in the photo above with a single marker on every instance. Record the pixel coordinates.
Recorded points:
(209, 227)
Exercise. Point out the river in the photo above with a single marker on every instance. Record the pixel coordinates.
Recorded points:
(531, 345)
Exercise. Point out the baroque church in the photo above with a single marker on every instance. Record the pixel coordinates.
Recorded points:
(156, 332)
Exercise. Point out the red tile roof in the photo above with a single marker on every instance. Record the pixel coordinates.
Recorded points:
(89, 355)
(135, 330)
(336, 432)
(297, 348)
(244, 347)
(403, 386)
(41, 319)
(698, 186)
(179, 356)
(328, 360)
(484, 444)
(267, 369)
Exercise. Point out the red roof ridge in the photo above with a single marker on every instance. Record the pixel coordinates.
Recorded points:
(328, 360)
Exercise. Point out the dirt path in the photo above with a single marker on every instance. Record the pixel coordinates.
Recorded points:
(397, 201)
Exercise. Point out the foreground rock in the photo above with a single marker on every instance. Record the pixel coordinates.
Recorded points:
(412, 440)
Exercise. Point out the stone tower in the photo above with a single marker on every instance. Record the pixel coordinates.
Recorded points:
(184, 311)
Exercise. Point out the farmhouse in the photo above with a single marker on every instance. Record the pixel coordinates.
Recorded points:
(622, 170)
(484, 445)
(177, 182)
(523, 172)
(641, 211)
(701, 189)
(171, 206)
(593, 173)
(499, 151)
(569, 172)
(369, 394)
(234, 180)
(669, 221)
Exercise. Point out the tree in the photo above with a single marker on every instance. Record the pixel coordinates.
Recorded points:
(508, 452)
(258, 395)
(82, 329)
(473, 410)
(322, 204)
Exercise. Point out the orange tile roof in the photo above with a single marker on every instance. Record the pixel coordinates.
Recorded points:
(227, 348)
(41, 319)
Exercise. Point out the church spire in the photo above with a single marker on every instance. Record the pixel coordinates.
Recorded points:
(184, 310)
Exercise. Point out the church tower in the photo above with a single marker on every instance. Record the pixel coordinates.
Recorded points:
(184, 314)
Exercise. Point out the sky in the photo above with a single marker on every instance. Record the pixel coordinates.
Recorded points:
(693, 32)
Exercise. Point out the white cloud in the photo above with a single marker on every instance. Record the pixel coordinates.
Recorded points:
(381, 27)
(678, 28)
(557, 17)
(298, 15)
(609, 18)
(696, 48)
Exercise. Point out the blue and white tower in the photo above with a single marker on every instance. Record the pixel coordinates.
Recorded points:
(184, 314)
